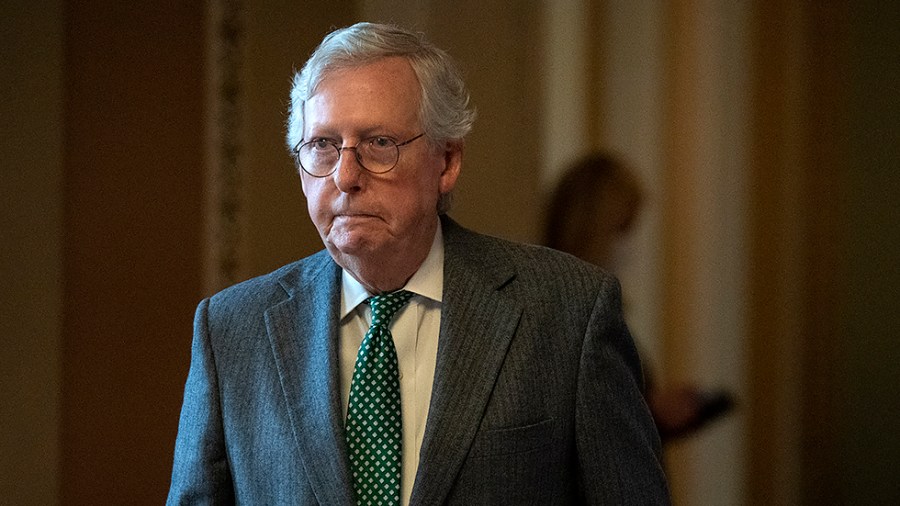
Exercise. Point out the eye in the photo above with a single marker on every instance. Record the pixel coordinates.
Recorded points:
(381, 142)
(320, 144)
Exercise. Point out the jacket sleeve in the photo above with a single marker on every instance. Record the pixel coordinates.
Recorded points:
(618, 446)
(200, 474)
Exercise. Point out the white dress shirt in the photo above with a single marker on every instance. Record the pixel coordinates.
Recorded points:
(415, 329)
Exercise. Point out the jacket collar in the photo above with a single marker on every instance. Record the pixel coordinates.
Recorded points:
(478, 320)
(303, 334)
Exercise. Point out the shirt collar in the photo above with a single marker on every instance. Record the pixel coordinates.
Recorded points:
(428, 280)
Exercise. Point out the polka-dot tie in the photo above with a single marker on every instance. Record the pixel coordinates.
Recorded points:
(374, 426)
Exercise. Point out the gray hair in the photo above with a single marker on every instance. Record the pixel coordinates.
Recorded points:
(444, 110)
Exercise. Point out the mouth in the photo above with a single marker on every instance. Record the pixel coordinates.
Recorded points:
(354, 216)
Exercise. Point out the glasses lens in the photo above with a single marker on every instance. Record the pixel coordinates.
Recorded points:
(318, 157)
(378, 154)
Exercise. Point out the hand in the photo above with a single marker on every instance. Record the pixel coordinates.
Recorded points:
(683, 410)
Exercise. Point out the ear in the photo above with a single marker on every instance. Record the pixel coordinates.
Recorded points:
(452, 165)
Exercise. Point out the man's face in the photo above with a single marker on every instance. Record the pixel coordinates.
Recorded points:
(376, 219)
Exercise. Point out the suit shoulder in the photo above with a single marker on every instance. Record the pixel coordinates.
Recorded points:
(275, 285)
(534, 259)
(536, 266)
(552, 267)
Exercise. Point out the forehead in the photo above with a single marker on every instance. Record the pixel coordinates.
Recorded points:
(385, 92)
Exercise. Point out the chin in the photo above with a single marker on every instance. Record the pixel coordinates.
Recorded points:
(355, 245)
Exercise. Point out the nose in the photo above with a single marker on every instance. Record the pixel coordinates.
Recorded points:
(348, 174)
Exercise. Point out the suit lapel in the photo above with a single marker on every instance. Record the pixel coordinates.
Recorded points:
(304, 337)
(478, 321)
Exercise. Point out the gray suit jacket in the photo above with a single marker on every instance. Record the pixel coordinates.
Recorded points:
(536, 396)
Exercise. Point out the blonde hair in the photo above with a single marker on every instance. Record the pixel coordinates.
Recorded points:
(597, 198)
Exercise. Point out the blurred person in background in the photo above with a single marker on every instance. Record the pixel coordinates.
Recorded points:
(592, 215)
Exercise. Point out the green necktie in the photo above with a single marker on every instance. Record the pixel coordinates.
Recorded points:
(374, 426)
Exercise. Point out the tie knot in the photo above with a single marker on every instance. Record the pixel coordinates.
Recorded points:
(384, 306)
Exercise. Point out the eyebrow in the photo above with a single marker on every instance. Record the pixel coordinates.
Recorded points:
(363, 132)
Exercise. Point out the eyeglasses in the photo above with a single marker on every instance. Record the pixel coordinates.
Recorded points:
(320, 157)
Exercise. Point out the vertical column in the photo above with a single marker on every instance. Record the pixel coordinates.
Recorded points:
(777, 234)
(826, 470)
(225, 145)
(703, 221)
(132, 245)
(31, 209)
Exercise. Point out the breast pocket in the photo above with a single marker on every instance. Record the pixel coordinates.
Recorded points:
(512, 440)
(512, 466)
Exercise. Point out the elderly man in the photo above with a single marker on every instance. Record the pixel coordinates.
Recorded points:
(412, 361)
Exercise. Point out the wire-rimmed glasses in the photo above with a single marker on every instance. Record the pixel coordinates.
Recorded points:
(378, 154)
